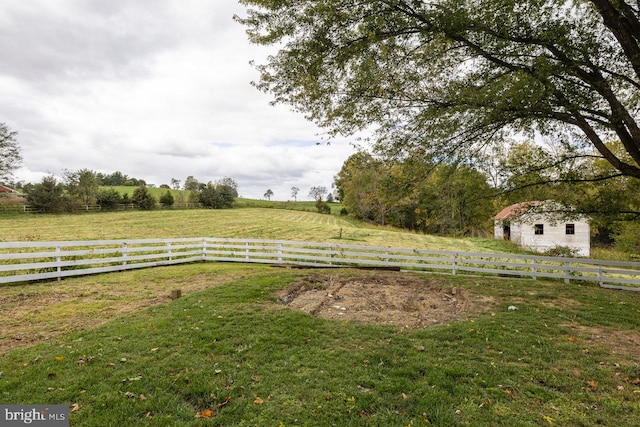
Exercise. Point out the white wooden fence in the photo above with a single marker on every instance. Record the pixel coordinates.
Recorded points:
(30, 261)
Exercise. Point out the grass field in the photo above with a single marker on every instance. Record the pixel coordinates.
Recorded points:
(262, 223)
(228, 354)
(118, 351)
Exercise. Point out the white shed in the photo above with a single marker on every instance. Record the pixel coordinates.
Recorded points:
(540, 226)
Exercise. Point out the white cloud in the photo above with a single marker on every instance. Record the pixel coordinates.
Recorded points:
(154, 89)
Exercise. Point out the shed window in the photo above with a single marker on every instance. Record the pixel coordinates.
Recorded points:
(539, 229)
(570, 229)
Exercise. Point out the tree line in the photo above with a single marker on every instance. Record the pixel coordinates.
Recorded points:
(432, 195)
(85, 187)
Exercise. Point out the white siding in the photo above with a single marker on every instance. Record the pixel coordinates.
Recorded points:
(554, 234)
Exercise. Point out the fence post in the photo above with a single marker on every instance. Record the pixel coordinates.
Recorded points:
(453, 263)
(124, 253)
(204, 248)
(534, 270)
(331, 251)
(279, 252)
(169, 250)
(246, 251)
(566, 272)
(600, 274)
(58, 259)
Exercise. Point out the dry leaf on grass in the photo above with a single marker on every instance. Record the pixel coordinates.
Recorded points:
(205, 413)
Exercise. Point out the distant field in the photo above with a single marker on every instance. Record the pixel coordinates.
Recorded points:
(262, 223)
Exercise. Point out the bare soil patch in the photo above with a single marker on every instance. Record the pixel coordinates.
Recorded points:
(623, 343)
(402, 300)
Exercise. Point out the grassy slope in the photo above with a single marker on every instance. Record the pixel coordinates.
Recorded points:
(262, 223)
(565, 357)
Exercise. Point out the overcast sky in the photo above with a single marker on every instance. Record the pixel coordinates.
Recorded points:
(156, 89)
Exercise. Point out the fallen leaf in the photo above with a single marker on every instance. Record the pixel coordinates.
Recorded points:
(364, 414)
(548, 419)
(59, 358)
(636, 381)
(592, 384)
(258, 401)
(148, 415)
(153, 350)
(142, 397)
(180, 344)
(205, 413)
(571, 339)
(404, 396)
(81, 362)
(75, 407)
(130, 395)
(224, 402)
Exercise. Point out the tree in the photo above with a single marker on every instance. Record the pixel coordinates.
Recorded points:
(47, 196)
(191, 184)
(175, 184)
(448, 76)
(317, 193)
(142, 198)
(115, 179)
(219, 195)
(83, 183)
(268, 194)
(294, 193)
(419, 194)
(167, 199)
(9, 152)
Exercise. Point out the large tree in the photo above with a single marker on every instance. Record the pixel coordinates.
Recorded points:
(9, 152)
(447, 76)
(83, 183)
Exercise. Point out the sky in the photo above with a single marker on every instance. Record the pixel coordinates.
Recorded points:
(155, 89)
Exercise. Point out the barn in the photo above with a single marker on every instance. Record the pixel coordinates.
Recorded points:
(540, 226)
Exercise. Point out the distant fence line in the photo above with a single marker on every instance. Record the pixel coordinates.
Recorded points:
(31, 261)
(96, 208)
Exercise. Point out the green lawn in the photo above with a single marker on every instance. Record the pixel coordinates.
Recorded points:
(261, 223)
(230, 353)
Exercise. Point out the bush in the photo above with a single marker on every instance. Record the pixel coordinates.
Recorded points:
(561, 251)
(108, 199)
(626, 237)
(142, 198)
(344, 212)
(47, 196)
(167, 199)
(323, 207)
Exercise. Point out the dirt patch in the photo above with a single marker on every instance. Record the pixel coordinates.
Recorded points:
(623, 343)
(400, 299)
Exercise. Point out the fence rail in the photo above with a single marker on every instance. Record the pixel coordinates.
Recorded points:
(30, 261)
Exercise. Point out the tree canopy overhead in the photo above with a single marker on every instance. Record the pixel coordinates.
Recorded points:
(447, 76)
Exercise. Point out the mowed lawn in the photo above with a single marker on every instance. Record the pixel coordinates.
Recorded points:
(258, 223)
(228, 353)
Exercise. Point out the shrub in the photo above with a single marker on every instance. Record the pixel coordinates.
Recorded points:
(167, 199)
(108, 199)
(323, 207)
(142, 198)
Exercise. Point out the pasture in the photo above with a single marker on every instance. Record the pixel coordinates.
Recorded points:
(259, 223)
(232, 351)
